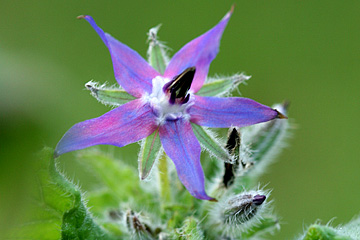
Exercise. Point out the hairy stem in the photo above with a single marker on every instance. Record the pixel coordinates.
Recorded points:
(165, 193)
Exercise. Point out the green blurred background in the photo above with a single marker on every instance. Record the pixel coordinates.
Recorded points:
(305, 51)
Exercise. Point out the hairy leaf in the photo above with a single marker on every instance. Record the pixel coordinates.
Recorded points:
(119, 180)
(58, 209)
(319, 232)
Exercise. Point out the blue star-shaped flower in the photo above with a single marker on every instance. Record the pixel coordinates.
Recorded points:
(167, 104)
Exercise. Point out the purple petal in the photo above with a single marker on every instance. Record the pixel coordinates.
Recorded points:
(124, 125)
(132, 72)
(181, 145)
(226, 112)
(198, 53)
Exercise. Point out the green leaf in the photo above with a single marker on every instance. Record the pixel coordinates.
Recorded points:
(109, 96)
(57, 210)
(118, 178)
(222, 86)
(149, 153)
(349, 231)
(157, 56)
(319, 232)
(100, 200)
(209, 142)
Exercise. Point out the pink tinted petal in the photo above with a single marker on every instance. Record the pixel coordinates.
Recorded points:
(132, 72)
(181, 145)
(226, 112)
(126, 124)
(198, 53)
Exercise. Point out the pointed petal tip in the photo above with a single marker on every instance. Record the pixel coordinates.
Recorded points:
(81, 16)
(213, 200)
(280, 115)
(232, 8)
(228, 14)
(86, 17)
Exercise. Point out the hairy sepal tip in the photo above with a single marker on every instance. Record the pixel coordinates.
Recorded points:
(91, 86)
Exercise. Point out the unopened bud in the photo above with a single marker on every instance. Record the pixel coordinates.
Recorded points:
(236, 215)
(137, 227)
(242, 208)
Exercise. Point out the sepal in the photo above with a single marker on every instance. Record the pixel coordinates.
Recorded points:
(157, 51)
(223, 86)
(149, 154)
(209, 141)
(109, 95)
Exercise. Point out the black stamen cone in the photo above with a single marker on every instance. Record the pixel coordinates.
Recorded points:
(178, 88)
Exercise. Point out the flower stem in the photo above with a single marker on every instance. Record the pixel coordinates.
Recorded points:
(165, 195)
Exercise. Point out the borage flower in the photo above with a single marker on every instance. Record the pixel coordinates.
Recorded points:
(167, 104)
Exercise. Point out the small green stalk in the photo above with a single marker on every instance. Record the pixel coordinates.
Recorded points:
(165, 193)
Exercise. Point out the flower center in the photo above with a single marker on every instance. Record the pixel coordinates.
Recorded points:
(171, 99)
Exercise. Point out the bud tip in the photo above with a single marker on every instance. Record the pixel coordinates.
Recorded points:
(258, 199)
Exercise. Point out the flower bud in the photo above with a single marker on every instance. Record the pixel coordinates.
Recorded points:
(137, 227)
(242, 208)
(236, 215)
